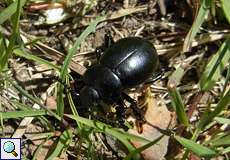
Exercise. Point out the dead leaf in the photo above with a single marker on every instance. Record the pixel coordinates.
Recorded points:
(159, 117)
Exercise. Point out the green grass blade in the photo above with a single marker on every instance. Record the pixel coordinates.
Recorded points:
(72, 106)
(207, 118)
(124, 137)
(226, 150)
(196, 148)
(1, 118)
(225, 4)
(203, 12)
(22, 53)
(127, 144)
(215, 138)
(175, 78)
(215, 67)
(22, 114)
(178, 105)
(39, 148)
(2, 46)
(142, 148)
(10, 10)
(222, 120)
(44, 121)
(226, 81)
(13, 37)
(64, 71)
(222, 141)
(33, 99)
(63, 143)
(71, 52)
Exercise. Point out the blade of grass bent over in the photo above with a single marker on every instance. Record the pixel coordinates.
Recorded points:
(91, 28)
(101, 127)
(123, 137)
(105, 128)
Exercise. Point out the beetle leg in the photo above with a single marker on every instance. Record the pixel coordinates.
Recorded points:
(159, 75)
(108, 39)
(155, 78)
(67, 88)
(138, 113)
(99, 51)
(120, 113)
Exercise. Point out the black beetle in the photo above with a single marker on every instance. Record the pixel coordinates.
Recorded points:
(126, 64)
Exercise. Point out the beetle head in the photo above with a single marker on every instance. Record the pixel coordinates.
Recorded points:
(89, 96)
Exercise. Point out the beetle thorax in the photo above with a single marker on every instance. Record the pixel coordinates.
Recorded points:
(103, 80)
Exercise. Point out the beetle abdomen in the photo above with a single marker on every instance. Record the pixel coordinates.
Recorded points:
(132, 59)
